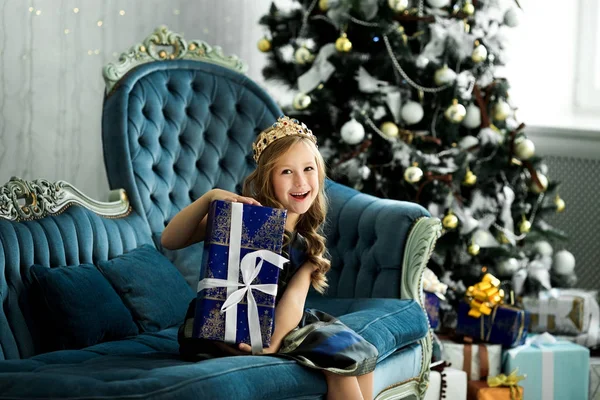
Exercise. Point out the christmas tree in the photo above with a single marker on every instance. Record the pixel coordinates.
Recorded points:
(408, 104)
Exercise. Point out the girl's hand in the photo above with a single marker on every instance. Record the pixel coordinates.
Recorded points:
(220, 194)
(248, 350)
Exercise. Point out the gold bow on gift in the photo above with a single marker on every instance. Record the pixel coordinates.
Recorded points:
(510, 381)
(484, 296)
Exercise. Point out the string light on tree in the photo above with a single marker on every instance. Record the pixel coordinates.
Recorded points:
(560, 204)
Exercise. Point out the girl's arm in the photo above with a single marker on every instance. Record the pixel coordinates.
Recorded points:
(189, 225)
(290, 309)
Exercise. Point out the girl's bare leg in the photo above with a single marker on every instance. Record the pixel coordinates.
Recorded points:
(366, 385)
(341, 387)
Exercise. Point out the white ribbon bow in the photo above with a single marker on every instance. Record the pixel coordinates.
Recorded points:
(250, 271)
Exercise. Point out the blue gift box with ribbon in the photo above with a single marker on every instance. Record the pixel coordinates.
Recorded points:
(555, 369)
(506, 325)
(432, 307)
(239, 273)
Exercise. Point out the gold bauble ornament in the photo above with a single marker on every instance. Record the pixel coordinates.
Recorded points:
(456, 112)
(524, 148)
(501, 110)
(343, 44)
(301, 101)
(450, 221)
(390, 130)
(479, 53)
(470, 178)
(413, 174)
(444, 76)
(560, 204)
(302, 55)
(468, 8)
(398, 5)
(535, 188)
(264, 45)
(473, 249)
(324, 5)
(524, 226)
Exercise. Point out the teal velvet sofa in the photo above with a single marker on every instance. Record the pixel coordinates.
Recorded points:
(91, 303)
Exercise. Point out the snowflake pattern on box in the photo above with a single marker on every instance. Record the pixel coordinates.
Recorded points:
(262, 229)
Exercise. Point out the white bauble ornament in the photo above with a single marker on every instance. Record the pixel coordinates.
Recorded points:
(501, 110)
(412, 112)
(444, 76)
(467, 142)
(352, 132)
(438, 3)
(543, 248)
(473, 118)
(507, 267)
(564, 263)
(303, 56)
(398, 5)
(535, 188)
(413, 174)
(524, 149)
(512, 17)
(365, 172)
(479, 54)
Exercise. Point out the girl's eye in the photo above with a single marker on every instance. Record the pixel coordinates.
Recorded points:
(286, 171)
(309, 169)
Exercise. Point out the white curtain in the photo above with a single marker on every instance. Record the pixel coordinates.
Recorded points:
(51, 87)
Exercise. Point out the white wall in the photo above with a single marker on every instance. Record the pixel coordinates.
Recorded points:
(51, 85)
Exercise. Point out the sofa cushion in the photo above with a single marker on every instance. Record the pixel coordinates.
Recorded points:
(389, 324)
(76, 307)
(187, 260)
(149, 367)
(151, 287)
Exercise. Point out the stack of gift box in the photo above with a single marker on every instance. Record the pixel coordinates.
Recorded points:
(492, 345)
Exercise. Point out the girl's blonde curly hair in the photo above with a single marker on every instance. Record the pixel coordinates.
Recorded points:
(259, 186)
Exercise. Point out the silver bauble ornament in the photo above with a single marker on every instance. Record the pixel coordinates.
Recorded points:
(507, 267)
(438, 3)
(412, 112)
(473, 118)
(512, 17)
(524, 148)
(543, 248)
(352, 132)
(564, 263)
(444, 76)
(301, 101)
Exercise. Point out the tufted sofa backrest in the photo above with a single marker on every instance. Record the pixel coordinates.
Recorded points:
(173, 130)
(75, 237)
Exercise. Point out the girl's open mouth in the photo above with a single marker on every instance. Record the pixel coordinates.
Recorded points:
(300, 195)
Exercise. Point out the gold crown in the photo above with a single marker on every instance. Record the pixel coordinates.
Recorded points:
(285, 126)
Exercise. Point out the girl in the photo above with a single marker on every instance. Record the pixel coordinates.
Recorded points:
(290, 174)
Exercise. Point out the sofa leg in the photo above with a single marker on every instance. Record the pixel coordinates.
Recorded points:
(426, 345)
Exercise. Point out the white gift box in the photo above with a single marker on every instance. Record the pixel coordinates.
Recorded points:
(594, 378)
(454, 353)
(456, 385)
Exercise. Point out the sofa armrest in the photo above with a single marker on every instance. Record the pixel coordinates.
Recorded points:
(376, 245)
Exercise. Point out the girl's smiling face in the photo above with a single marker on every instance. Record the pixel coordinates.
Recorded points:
(295, 180)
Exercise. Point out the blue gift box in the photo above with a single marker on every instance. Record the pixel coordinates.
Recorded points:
(432, 307)
(262, 228)
(506, 325)
(554, 371)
